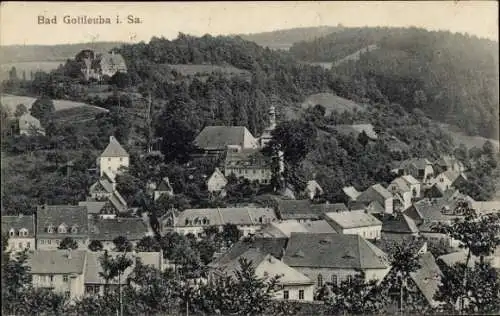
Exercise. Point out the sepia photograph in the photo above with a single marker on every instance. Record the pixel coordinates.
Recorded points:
(250, 158)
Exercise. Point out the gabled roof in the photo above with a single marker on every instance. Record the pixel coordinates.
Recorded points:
(17, 223)
(104, 184)
(333, 251)
(112, 59)
(219, 137)
(410, 179)
(304, 209)
(319, 227)
(265, 266)
(55, 215)
(281, 230)
(109, 229)
(272, 246)
(313, 185)
(93, 266)
(114, 149)
(352, 219)
(93, 207)
(118, 202)
(56, 261)
(427, 277)
(375, 193)
(401, 224)
(401, 185)
(218, 174)
(222, 216)
(351, 192)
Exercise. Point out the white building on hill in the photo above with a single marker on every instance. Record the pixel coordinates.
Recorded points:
(113, 158)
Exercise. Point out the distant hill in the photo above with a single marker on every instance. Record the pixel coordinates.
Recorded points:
(451, 77)
(32, 53)
(284, 39)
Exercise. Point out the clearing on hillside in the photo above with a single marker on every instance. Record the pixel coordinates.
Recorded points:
(203, 70)
(11, 101)
(469, 141)
(28, 68)
(331, 102)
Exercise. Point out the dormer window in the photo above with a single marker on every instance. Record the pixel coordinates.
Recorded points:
(23, 232)
(204, 221)
(74, 230)
(62, 229)
(11, 232)
(50, 229)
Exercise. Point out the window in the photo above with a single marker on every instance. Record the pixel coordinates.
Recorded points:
(334, 279)
(49, 242)
(50, 229)
(20, 245)
(349, 278)
(74, 230)
(286, 295)
(51, 277)
(57, 241)
(28, 245)
(121, 159)
(42, 241)
(67, 294)
(11, 232)
(65, 278)
(301, 294)
(62, 229)
(320, 280)
(109, 159)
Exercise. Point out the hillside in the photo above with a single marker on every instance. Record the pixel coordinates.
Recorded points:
(331, 102)
(284, 39)
(39, 53)
(453, 78)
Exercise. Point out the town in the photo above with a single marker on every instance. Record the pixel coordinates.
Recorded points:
(180, 190)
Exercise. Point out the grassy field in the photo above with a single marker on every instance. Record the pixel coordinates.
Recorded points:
(28, 68)
(11, 101)
(468, 141)
(78, 114)
(331, 102)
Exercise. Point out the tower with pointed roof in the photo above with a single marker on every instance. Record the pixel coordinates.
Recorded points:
(113, 158)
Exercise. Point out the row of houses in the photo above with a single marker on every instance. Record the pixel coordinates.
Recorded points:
(53, 223)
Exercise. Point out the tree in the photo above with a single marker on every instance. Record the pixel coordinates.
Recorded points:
(294, 139)
(20, 110)
(248, 294)
(230, 233)
(363, 139)
(43, 108)
(122, 244)
(95, 245)
(482, 291)
(478, 234)
(68, 243)
(356, 297)
(15, 278)
(148, 244)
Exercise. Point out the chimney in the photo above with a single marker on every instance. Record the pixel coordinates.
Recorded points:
(111, 138)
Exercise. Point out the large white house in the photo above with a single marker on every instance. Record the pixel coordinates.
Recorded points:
(113, 158)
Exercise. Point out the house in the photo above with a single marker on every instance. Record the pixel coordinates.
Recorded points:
(281, 229)
(460, 256)
(448, 179)
(292, 284)
(319, 227)
(96, 66)
(163, 188)
(103, 190)
(55, 222)
(106, 230)
(305, 210)
(216, 182)
(351, 193)
(334, 258)
(247, 219)
(313, 189)
(30, 125)
(356, 223)
(404, 190)
(377, 193)
(250, 164)
(420, 168)
(214, 140)
(485, 207)
(21, 232)
(63, 271)
(428, 212)
(423, 282)
(112, 159)
(398, 227)
(449, 163)
(94, 283)
(99, 209)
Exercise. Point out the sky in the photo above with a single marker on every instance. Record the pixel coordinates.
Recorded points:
(19, 20)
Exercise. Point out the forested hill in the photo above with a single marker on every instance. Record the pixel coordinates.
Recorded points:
(451, 77)
(283, 39)
(27, 53)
